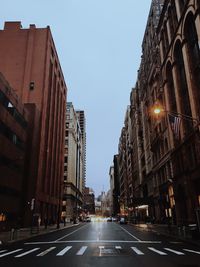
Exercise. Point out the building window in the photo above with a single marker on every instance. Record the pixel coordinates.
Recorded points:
(2, 217)
(181, 4)
(8, 133)
(193, 54)
(170, 88)
(182, 86)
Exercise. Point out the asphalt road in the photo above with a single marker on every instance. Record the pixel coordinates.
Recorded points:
(100, 244)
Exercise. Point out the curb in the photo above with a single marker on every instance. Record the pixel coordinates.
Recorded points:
(197, 243)
(34, 235)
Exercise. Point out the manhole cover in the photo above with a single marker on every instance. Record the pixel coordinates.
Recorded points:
(110, 251)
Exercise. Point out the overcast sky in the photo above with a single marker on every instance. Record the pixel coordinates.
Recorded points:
(99, 47)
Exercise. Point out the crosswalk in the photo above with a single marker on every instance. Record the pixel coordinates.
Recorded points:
(82, 250)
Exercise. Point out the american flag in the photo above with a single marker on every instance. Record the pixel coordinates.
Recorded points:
(175, 122)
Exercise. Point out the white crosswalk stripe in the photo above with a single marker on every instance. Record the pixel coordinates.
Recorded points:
(11, 252)
(174, 251)
(157, 251)
(45, 252)
(81, 251)
(192, 251)
(137, 251)
(1, 251)
(62, 252)
(26, 253)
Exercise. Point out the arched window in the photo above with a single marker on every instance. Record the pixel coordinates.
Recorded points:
(182, 86)
(193, 54)
(170, 89)
(174, 14)
(166, 39)
(171, 26)
(181, 5)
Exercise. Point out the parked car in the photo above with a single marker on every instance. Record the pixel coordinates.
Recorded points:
(88, 219)
(123, 220)
(114, 219)
(109, 219)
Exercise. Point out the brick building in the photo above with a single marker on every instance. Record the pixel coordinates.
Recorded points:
(30, 63)
(13, 146)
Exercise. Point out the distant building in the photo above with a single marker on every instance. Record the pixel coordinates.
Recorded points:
(82, 122)
(89, 204)
(116, 190)
(73, 165)
(30, 63)
(112, 186)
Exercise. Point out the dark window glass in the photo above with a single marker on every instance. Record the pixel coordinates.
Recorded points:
(8, 133)
(183, 87)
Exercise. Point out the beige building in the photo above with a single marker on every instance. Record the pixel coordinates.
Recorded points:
(73, 166)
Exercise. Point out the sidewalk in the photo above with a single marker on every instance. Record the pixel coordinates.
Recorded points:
(25, 233)
(173, 231)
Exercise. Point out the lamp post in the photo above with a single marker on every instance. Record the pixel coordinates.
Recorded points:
(158, 109)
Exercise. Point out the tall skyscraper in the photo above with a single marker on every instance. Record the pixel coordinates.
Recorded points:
(73, 165)
(82, 122)
(30, 63)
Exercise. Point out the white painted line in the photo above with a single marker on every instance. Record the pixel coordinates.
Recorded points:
(93, 241)
(192, 251)
(118, 247)
(45, 252)
(174, 251)
(62, 252)
(11, 252)
(137, 251)
(130, 234)
(1, 251)
(100, 253)
(157, 251)
(81, 251)
(71, 233)
(26, 253)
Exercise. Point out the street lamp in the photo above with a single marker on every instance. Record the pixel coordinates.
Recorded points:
(158, 109)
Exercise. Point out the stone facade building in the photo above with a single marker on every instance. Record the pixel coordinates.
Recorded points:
(165, 147)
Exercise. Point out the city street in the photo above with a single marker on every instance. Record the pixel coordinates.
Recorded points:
(100, 244)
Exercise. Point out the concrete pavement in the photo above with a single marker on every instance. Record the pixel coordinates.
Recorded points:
(25, 233)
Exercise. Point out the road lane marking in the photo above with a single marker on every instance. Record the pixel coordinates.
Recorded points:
(157, 251)
(81, 251)
(100, 252)
(137, 251)
(70, 233)
(26, 253)
(1, 251)
(45, 252)
(11, 252)
(62, 252)
(192, 251)
(174, 251)
(93, 241)
(118, 247)
(130, 234)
